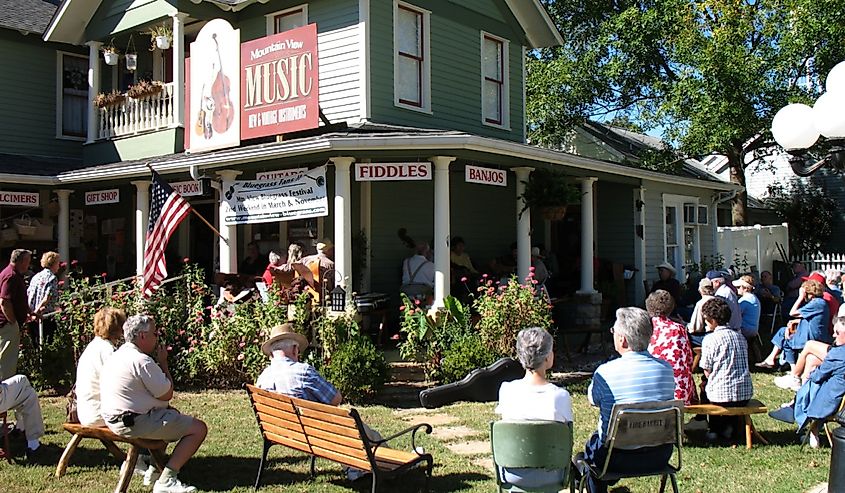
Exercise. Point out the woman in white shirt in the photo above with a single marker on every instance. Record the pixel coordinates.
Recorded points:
(534, 398)
(108, 332)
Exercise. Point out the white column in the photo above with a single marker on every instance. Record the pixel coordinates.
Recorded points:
(367, 230)
(639, 244)
(229, 241)
(587, 230)
(93, 89)
(142, 213)
(523, 225)
(442, 282)
(179, 68)
(343, 221)
(64, 224)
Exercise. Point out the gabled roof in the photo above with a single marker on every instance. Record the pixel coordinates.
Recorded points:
(534, 19)
(28, 16)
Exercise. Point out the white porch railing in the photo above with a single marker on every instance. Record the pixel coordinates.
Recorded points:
(823, 261)
(133, 116)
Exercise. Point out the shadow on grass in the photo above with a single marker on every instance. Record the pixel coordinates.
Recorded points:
(403, 483)
(696, 439)
(226, 472)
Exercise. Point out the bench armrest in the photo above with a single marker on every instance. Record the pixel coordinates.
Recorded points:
(412, 430)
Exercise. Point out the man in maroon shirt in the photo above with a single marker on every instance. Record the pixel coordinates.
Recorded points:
(14, 311)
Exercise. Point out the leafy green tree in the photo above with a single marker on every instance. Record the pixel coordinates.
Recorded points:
(810, 212)
(708, 74)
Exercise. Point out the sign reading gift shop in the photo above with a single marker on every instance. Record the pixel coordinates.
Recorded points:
(281, 199)
(280, 83)
(392, 171)
(486, 176)
(26, 199)
(267, 86)
(102, 197)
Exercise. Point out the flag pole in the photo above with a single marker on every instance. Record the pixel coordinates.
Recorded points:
(204, 220)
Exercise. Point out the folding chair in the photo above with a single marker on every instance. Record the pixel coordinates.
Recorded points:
(831, 419)
(542, 445)
(634, 426)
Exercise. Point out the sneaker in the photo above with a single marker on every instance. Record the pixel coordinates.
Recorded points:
(151, 475)
(813, 439)
(172, 485)
(141, 465)
(788, 382)
(37, 457)
(354, 474)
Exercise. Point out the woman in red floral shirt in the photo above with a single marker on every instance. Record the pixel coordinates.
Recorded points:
(670, 342)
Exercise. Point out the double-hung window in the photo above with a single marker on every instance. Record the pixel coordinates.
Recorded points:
(494, 80)
(287, 19)
(72, 97)
(412, 71)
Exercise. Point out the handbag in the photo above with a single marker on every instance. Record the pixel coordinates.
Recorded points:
(70, 407)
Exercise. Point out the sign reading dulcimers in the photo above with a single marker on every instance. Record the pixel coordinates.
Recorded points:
(280, 83)
(213, 110)
(278, 199)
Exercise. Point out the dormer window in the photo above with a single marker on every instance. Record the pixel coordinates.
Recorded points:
(412, 73)
(287, 19)
(494, 80)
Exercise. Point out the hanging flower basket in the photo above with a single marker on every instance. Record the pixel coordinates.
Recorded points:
(162, 42)
(555, 213)
(144, 88)
(110, 57)
(131, 61)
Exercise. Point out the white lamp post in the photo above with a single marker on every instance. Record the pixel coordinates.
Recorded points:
(797, 127)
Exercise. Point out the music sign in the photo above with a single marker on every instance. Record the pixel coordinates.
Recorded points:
(280, 83)
(486, 176)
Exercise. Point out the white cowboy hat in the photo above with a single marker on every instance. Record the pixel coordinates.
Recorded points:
(667, 266)
(324, 245)
(284, 331)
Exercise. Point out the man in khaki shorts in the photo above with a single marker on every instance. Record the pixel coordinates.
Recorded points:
(135, 391)
(14, 311)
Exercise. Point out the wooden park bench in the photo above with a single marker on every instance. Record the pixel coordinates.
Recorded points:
(108, 439)
(332, 433)
(754, 407)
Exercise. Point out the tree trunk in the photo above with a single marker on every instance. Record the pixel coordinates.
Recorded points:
(739, 206)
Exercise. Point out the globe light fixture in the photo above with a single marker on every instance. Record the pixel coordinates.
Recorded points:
(797, 127)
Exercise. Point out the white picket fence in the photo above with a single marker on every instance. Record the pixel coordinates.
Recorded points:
(151, 112)
(823, 261)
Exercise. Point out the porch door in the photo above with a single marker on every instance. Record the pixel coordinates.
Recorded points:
(681, 238)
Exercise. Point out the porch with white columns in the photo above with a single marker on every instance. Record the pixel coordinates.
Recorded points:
(228, 241)
(587, 233)
(142, 212)
(64, 223)
(639, 244)
(442, 281)
(343, 221)
(179, 68)
(93, 89)
(523, 225)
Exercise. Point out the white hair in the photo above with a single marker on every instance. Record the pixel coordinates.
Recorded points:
(635, 325)
(533, 346)
(136, 324)
(283, 345)
(274, 258)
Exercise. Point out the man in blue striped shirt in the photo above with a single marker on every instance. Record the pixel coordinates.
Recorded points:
(635, 377)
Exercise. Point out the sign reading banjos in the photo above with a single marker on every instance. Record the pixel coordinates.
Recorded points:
(486, 176)
(392, 171)
(102, 197)
(26, 199)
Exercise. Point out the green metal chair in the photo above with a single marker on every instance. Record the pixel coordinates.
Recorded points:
(634, 426)
(531, 444)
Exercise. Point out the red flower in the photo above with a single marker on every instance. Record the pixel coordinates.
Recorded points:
(74, 263)
(186, 260)
(464, 279)
(104, 274)
(402, 308)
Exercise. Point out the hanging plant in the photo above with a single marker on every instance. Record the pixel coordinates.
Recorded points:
(131, 56)
(549, 192)
(110, 54)
(144, 88)
(160, 36)
(106, 100)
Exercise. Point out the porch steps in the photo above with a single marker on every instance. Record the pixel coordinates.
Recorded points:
(405, 381)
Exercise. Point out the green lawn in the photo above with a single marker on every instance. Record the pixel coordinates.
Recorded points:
(229, 458)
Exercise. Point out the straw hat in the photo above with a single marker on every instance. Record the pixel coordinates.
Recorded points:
(669, 267)
(284, 331)
(742, 282)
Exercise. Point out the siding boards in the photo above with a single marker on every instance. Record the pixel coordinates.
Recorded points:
(28, 113)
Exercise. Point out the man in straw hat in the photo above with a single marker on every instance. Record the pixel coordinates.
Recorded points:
(667, 282)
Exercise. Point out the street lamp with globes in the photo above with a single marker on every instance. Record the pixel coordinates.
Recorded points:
(797, 127)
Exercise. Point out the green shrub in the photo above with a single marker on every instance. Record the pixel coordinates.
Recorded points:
(357, 369)
(463, 356)
(428, 338)
(505, 309)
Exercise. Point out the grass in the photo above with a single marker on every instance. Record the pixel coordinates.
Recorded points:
(229, 458)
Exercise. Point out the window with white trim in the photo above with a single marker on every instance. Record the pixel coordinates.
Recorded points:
(494, 80)
(72, 96)
(287, 19)
(681, 231)
(412, 70)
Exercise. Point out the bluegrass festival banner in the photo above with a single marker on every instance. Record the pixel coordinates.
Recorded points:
(282, 199)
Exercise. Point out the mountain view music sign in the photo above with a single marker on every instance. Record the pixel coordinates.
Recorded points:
(280, 83)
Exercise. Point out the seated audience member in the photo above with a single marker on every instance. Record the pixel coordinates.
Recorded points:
(749, 306)
(635, 377)
(768, 293)
(696, 326)
(459, 258)
(287, 375)
(829, 297)
(724, 359)
(723, 289)
(135, 391)
(541, 273)
(791, 291)
(832, 278)
(670, 342)
(810, 326)
(253, 263)
(534, 398)
(321, 264)
(823, 385)
(666, 273)
(17, 394)
(418, 272)
(108, 332)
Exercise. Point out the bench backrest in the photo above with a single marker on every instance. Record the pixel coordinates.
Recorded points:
(325, 431)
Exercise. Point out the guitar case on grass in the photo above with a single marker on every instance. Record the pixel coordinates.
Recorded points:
(481, 385)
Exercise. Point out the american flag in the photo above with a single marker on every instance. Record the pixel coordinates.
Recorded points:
(167, 209)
